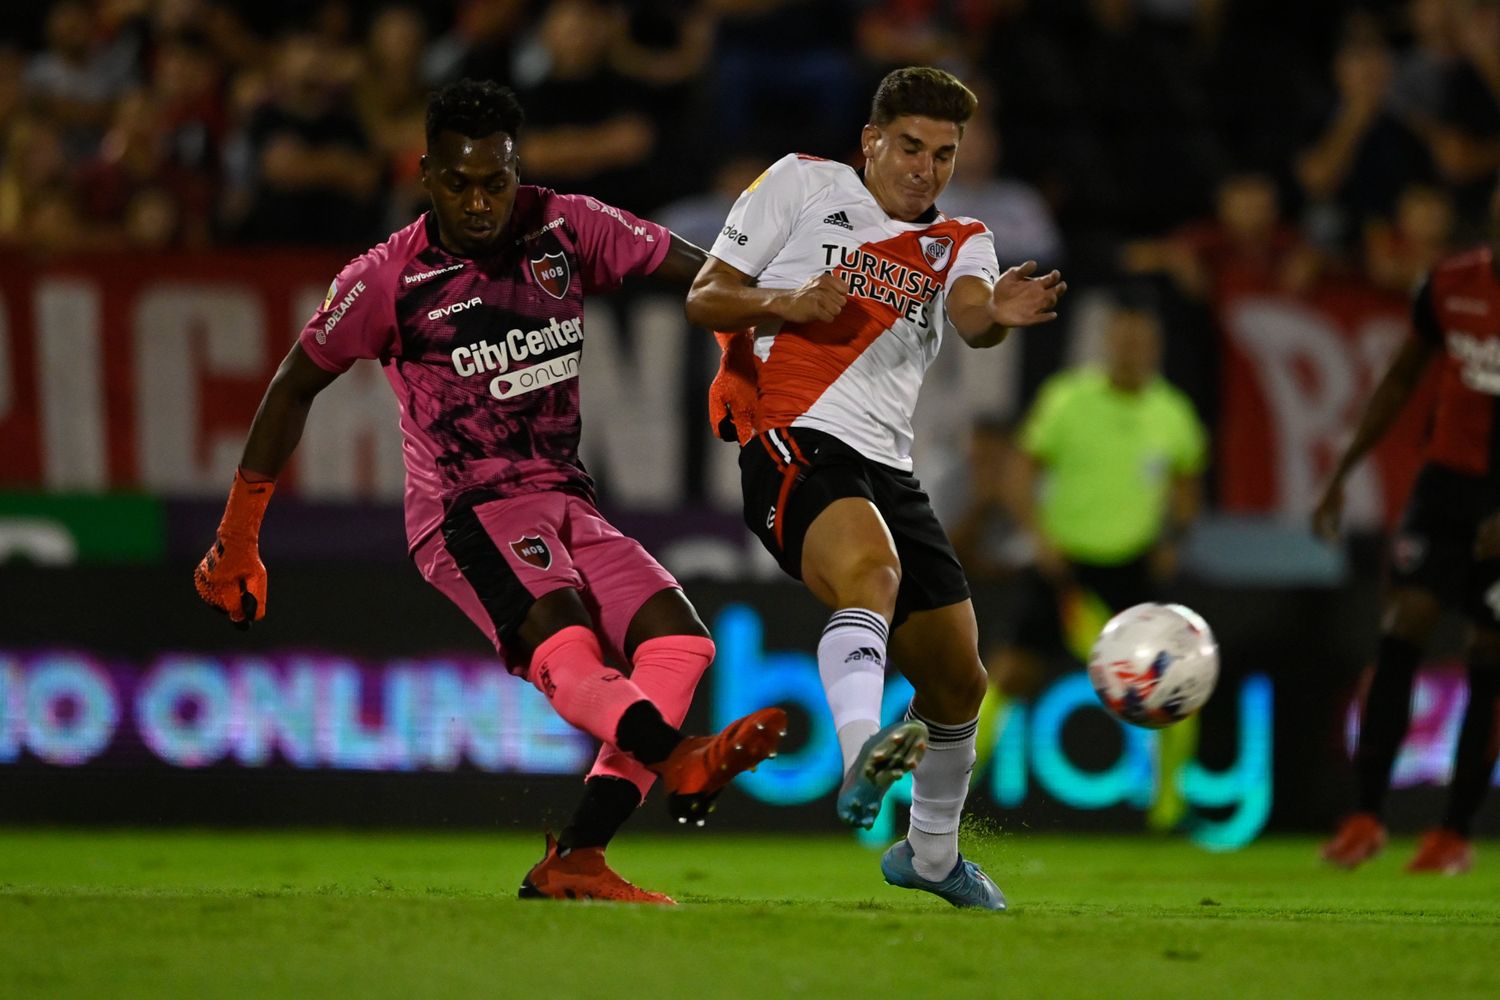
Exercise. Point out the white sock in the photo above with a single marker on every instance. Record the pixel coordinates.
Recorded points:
(851, 662)
(939, 786)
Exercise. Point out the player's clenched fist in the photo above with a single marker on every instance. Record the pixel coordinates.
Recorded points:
(819, 300)
(231, 577)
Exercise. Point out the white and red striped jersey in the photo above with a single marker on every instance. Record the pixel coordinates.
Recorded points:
(858, 376)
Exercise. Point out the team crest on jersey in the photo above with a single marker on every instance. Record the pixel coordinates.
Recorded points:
(935, 250)
(531, 549)
(551, 272)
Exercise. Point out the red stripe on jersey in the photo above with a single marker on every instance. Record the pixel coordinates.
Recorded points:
(807, 358)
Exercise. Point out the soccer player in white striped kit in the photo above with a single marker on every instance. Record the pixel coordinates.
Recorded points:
(836, 285)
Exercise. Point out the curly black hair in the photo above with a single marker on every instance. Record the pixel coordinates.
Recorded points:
(474, 108)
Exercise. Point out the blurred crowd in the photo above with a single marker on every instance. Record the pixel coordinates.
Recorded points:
(1193, 139)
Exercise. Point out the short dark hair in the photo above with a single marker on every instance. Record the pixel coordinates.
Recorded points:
(474, 108)
(925, 91)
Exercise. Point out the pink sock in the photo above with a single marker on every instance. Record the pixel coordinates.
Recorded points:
(667, 669)
(569, 669)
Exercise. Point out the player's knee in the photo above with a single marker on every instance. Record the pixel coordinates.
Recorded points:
(666, 613)
(970, 690)
(550, 614)
(954, 694)
(880, 576)
(868, 580)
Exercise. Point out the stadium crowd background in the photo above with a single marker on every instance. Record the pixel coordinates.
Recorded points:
(1336, 135)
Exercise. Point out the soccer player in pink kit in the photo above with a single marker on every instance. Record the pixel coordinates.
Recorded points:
(475, 311)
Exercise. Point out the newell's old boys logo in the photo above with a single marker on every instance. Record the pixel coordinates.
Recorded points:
(531, 549)
(936, 249)
(551, 272)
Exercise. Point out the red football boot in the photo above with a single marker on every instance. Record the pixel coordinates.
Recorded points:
(1442, 852)
(700, 766)
(1359, 838)
(582, 873)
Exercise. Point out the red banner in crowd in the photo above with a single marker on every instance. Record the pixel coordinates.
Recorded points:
(143, 372)
(1297, 372)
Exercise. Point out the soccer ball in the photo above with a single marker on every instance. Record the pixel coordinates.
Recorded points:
(1154, 664)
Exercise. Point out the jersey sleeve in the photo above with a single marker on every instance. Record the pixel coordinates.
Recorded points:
(976, 257)
(761, 221)
(1042, 431)
(1190, 440)
(613, 244)
(1424, 321)
(356, 320)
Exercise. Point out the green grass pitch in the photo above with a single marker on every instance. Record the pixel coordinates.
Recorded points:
(275, 914)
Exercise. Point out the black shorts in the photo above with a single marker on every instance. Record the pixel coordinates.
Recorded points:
(1434, 548)
(788, 478)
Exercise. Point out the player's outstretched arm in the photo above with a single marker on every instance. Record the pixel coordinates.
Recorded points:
(283, 411)
(1390, 396)
(231, 577)
(682, 263)
(725, 298)
(983, 314)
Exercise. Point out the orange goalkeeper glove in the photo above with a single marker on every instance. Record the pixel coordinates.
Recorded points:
(231, 577)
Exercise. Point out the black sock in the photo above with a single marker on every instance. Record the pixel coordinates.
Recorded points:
(645, 735)
(1474, 758)
(607, 803)
(1383, 724)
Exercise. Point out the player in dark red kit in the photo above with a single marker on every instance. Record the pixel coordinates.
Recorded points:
(475, 311)
(1447, 552)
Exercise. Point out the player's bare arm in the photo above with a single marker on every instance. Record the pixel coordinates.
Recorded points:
(724, 298)
(1390, 397)
(231, 578)
(682, 263)
(983, 314)
(283, 411)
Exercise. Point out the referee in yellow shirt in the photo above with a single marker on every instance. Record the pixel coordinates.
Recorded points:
(1111, 482)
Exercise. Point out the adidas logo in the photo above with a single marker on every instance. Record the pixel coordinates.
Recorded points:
(841, 219)
(863, 653)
